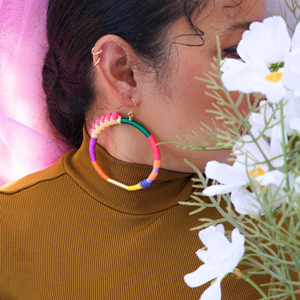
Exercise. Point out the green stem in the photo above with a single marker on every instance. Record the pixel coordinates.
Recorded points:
(288, 274)
(199, 148)
(255, 286)
(284, 147)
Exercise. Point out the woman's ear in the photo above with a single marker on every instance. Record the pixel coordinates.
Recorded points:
(115, 68)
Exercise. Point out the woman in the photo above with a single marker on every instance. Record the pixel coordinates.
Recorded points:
(69, 234)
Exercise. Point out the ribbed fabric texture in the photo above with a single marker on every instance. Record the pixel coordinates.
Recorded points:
(68, 234)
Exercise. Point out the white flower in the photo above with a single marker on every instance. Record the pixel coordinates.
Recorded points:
(265, 44)
(268, 40)
(252, 77)
(291, 75)
(245, 203)
(291, 113)
(253, 156)
(297, 185)
(264, 117)
(232, 178)
(220, 258)
(250, 161)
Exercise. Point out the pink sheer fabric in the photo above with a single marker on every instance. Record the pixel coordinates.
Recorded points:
(25, 138)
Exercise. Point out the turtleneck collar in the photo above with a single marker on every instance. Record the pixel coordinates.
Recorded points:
(166, 191)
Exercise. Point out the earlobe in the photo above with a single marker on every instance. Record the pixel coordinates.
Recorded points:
(112, 58)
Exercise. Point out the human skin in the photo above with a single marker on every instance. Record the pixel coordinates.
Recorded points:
(175, 104)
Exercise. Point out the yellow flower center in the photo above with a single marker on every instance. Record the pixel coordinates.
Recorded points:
(257, 172)
(274, 76)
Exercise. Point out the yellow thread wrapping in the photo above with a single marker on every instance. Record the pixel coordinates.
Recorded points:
(274, 76)
(123, 186)
(98, 129)
(107, 123)
(134, 187)
(103, 125)
(119, 120)
(112, 121)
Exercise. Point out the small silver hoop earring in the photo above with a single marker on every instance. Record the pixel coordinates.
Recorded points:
(96, 53)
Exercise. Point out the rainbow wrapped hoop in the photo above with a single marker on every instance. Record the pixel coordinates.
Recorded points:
(114, 119)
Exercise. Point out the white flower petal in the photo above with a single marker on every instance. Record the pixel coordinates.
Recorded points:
(203, 256)
(220, 252)
(220, 228)
(232, 64)
(268, 41)
(274, 91)
(297, 185)
(211, 237)
(222, 256)
(203, 274)
(291, 75)
(295, 124)
(263, 145)
(273, 177)
(296, 38)
(213, 292)
(240, 166)
(237, 243)
(291, 110)
(212, 168)
(224, 173)
(220, 189)
(249, 154)
(237, 238)
(276, 146)
(245, 203)
(247, 78)
(258, 120)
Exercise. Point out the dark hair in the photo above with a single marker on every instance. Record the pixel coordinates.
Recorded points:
(74, 26)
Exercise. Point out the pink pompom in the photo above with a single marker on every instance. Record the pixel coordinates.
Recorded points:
(91, 131)
(108, 116)
(115, 115)
(102, 119)
(98, 121)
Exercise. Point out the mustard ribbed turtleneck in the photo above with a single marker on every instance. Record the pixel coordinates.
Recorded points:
(68, 234)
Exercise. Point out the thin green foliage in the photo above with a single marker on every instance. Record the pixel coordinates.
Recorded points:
(272, 246)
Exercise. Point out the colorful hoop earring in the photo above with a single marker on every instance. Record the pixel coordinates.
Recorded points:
(115, 119)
